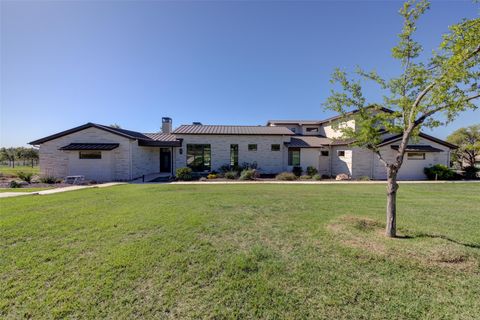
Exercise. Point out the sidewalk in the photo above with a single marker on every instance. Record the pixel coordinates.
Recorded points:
(58, 190)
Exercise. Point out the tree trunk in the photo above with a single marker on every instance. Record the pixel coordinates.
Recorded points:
(392, 187)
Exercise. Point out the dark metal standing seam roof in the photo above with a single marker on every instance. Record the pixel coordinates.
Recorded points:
(232, 130)
(90, 146)
(418, 148)
(308, 142)
(160, 140)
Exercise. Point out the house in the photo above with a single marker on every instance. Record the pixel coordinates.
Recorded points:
(104, 153)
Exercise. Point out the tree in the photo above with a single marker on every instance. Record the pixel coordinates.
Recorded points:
(468, 142)
(429, 92)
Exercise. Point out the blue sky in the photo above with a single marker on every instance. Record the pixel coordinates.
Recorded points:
(129, 62)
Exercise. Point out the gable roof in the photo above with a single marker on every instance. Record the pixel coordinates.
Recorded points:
(232, 130)
(422, 135)
(144, 139)
(121, 132)
(319, 122)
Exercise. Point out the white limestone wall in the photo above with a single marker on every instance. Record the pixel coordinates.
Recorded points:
(329, 131)
(412, 169)
(57, 163)
(341, 164)
(145, 160)
(268, 161)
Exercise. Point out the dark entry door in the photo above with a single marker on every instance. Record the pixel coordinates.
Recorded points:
(165, 160)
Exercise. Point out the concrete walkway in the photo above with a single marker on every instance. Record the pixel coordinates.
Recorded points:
(58, 190)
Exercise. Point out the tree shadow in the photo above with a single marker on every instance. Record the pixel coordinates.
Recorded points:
(439, 236)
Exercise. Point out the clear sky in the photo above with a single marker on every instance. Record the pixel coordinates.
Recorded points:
(65, 63)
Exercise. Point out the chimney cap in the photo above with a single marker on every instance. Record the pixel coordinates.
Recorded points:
(196, 123)
(166, 119)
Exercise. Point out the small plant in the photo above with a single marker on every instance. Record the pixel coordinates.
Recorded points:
(212, 176)
(27, 177)
(297, 170)
(471, 172)
(325, 176)
(14, 184)
(305, 177)
(311, 171)
(249, 174)
(317, 177)
(48, 179)
(439, 172)
(184, 174)
(231, 175)
(286, 176)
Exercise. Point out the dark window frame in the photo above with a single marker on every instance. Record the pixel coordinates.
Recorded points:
(274, 147)
(312, 129)
(417, 153)
(234, 154)
(199, 157)
(90, 154)
(324, 153)
(341, 153)
(294, 157)
(252, 147)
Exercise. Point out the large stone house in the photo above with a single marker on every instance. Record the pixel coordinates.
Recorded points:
(104, 153)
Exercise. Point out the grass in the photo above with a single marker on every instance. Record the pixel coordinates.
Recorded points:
(241, 251)
(24, 189)
(9, 171)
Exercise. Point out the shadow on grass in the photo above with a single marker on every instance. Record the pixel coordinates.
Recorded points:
(439, 236)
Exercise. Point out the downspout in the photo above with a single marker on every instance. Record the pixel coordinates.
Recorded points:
(330, 160)
(373, 165)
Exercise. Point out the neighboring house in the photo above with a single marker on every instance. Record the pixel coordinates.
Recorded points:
(104, 153)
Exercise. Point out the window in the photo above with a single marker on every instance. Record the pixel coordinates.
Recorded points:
(199, 157)
(416, 155)
(275, 147)
(252, 147)
(234, 154)
(324, 153)
(312, 129)
(341, 153)
(293, 130)
(90, 155)
(293, 156)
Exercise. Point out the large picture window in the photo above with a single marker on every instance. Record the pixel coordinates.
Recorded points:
(234, 154)
(199, 157)
(90, 155)
(293, 156)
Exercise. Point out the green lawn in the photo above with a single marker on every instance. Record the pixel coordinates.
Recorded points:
(241, 251)
(9, 171)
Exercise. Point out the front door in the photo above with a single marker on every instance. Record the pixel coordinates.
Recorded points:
(165, 160)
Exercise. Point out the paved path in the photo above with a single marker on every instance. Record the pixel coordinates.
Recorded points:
(58, 190)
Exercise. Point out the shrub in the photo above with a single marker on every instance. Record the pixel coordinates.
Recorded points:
(325, 176)
(286, 176)
(471, 172)
(230, 175)
(212, 176)
(14, 184)
(317, 177)
(305, 177)
(184, 174)
(27, 177)
(297, 171)
(439, 172)
(364, 178)
(311, 171)
(249, 174)
(48, 179)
